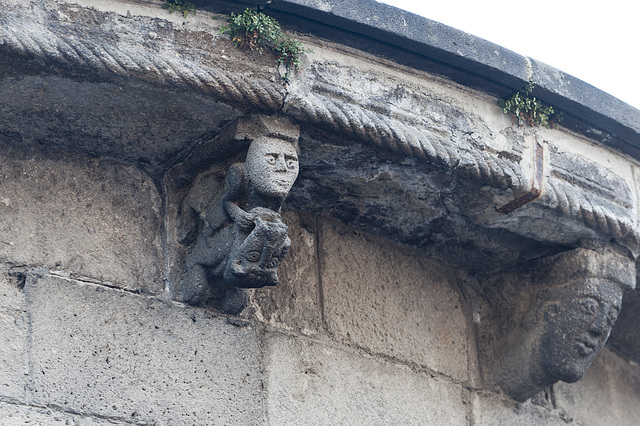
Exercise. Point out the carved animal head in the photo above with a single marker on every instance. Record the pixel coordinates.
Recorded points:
(254, 262)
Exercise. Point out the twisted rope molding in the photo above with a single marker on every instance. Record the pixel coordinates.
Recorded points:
(106, 57)
(559, 196)
(73, 49)
(391, 134)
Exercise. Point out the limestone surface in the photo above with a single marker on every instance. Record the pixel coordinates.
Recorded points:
(608, 394)
(108, 353)
(97, 218)
(13, 334)
(309, 383)
(393, 302)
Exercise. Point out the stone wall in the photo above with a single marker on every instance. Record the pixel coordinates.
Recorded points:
(110, 111)
(361, 330)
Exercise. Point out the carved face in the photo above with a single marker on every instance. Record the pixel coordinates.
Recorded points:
(254, 263)
(271, 166)
(578, 322)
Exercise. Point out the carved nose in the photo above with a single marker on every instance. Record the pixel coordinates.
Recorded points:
(281, 164)
(600, 325)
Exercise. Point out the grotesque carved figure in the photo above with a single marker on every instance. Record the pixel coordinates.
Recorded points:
(577, 321)
(256, 253)
(242, 239)
(567, 323)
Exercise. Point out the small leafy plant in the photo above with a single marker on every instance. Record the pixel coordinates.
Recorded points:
(527, 110)
(181, 6)
(256, 31)
(290, 51)
(252, 30)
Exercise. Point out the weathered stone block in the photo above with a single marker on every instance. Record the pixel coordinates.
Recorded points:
(309, 383)
(93, 217)
(104, 352)
(38, 416)
(294, 302)
(609, 393)
(392, 301)
(491, 410)
(13, 335)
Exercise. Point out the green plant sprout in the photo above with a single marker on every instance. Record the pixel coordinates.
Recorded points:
(181, 6)
(252, 30)
(256, 31)
(527, 110)
(290, 52)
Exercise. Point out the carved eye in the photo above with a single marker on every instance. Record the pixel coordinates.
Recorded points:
(273, 263)
(271, 159)
(292, 163)
(589, 306)
(253, 256)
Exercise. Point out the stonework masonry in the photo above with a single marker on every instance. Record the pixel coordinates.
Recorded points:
(91, 354)
(403, 283)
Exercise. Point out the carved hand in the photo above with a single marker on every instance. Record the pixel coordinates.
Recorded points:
(244, 220)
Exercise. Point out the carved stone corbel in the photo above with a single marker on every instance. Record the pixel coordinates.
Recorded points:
(236, 238)
(566, 307)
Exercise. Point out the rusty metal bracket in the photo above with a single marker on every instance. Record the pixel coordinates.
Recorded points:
(538, 181)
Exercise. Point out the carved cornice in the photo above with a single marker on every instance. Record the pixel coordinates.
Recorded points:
(123, 47)
(468, 157)
(57, 33)
(383, 131)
